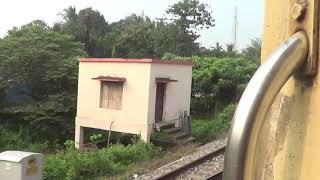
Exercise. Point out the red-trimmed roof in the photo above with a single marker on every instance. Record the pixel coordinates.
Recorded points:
(110, 78)
(122, 60)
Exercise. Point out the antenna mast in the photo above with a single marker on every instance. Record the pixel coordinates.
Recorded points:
(235, 29)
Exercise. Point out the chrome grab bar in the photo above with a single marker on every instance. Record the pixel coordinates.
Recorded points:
(255, 104)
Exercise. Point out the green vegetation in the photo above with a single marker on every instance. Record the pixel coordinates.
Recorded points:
(138, 36)
(95, 137)
(20, 139)
(253, 51)
(166, 156)
(160, 136)
(207, 129)
(38, 83)
(217, 82)
(38, 63)
(217, 85)
(43, 64)
(71, 164)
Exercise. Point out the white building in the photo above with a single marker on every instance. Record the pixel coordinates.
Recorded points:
(131, 94)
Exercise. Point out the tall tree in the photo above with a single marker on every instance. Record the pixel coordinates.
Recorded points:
(44, 62)
(188, 16)
(88, 26)
(94, 27)
(71, 22)
(169, 39)
(191, 14)
(133, 37)
(253, 50)
(216, 51)
(231, 52)
(138, 36)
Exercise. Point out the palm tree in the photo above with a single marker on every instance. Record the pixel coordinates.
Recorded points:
(218, 51)
(71, 22)
(69, 15)
(231, 51)
(230, 48)
(253, 50)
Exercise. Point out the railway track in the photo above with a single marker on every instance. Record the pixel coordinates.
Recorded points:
(205, 163)
(205, 167)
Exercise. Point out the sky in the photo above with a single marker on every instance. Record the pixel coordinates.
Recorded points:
(14, 13)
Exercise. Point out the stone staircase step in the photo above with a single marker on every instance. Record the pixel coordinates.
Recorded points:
(172, 130)
(179, 135)
(164, 125)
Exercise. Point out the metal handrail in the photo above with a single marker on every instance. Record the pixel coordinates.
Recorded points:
(255, 104)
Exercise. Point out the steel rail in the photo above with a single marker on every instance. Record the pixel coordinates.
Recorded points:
(178, 171)
(255, 104)
(216, 176)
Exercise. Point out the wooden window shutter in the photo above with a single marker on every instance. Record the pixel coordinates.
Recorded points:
(111, 95)
(119, 91)
(104, 95)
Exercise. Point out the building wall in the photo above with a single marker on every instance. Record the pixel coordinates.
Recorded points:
(133, 116)
(177, 95)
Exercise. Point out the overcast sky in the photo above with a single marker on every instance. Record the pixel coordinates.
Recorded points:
(250, 14)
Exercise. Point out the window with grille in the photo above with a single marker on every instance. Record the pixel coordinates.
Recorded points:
(111, 95)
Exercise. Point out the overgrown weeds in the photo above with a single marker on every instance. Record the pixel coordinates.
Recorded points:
(164, 157)
(206, 130)
(72, 164)
(20, 139)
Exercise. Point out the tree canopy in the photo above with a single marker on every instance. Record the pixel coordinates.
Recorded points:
(45, 63)
(217, 82)
(138, 36)
(39, 63)
(253, 50)
(191, 14)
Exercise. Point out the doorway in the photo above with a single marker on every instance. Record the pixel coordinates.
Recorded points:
(160, 92)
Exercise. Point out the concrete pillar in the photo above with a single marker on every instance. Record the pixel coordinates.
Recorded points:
(79, 137)
(145, 135)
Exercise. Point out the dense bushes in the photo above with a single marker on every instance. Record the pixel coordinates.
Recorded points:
(19, 139)
(71, 164)
(217, 82)
(208, 129)
(41, 66)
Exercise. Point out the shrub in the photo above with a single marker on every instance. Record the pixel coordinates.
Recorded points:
(20, 139)
(224, 119)
(72, 164)
(207, 130)
(217, 82)
(95, 137)
(160, 136)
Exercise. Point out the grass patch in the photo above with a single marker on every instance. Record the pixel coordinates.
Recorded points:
(206, 129)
